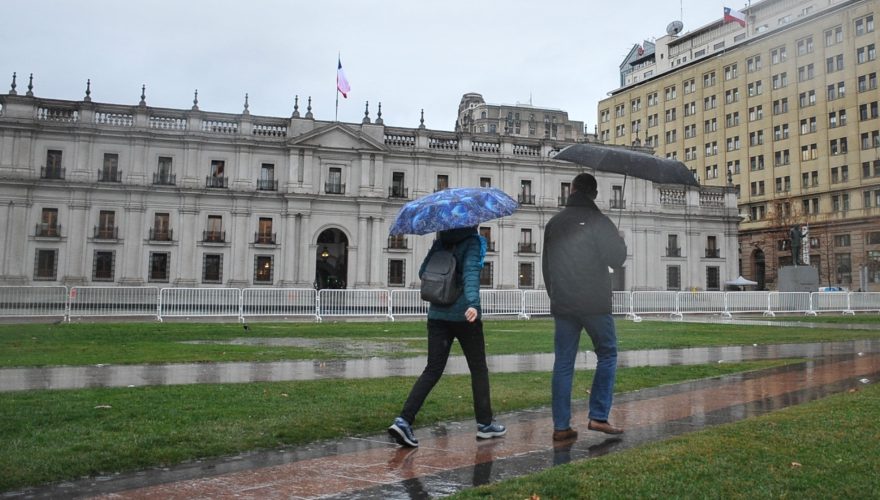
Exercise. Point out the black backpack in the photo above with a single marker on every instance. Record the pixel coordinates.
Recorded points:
(440, 282)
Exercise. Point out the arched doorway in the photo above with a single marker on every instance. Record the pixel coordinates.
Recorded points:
(331, 259)
(759, 268)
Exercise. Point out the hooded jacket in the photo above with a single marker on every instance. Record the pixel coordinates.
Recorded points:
(580, 244)
(470, 248)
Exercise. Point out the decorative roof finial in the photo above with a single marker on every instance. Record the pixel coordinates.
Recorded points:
(30, 92)
(246, 106)
(309, 114)
(88, 97)
(12, 87)
(366, 113)
(195, 100)
(143, 96)
(422, 120)
(295, 107)
(379, 116)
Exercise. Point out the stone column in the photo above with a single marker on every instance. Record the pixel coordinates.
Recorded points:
(78, 234)
(376, 279)
(290, 248)
(362, 252)
(240, 236)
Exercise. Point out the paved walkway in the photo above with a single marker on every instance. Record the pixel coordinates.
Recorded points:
(450, 458)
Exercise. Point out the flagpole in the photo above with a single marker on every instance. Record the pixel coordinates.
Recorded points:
(338, 58)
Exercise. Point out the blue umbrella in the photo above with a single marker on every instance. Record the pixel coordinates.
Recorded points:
(453, 208)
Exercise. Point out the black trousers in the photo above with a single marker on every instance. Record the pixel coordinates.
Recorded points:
(441, 334)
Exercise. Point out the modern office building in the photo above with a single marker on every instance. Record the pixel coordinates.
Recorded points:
(517, 120)
(784, 107)
(110, 194)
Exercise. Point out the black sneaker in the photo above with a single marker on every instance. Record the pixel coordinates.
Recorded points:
(490, 430)
(401, 431)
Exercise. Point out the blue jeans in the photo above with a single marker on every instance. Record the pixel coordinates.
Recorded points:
(600, 328)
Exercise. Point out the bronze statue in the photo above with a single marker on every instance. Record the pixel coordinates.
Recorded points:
(796, 239)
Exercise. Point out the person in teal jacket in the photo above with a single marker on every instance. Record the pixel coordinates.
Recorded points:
(460, 320)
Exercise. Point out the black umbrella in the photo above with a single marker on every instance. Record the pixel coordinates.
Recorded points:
(625, 161)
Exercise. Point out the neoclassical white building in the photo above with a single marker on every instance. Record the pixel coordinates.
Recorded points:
(108, 194)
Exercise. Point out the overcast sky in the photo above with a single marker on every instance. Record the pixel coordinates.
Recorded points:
(408, 55)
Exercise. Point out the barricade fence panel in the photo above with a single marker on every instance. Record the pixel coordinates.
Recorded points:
(864, 301)
(408, 303)
(353, 303)
(829, 301)
(196, 302)
(792, 302)
(279, 302)
(744, 302)
(501, 302)
(701, 302)
(654, 302)
(621, 302)
(33, 301)
(536, 302)
(114, 301)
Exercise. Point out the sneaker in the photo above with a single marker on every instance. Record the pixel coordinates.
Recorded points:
(491, 430)
(401, 431)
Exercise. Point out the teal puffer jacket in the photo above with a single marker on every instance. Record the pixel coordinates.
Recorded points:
(470, 248)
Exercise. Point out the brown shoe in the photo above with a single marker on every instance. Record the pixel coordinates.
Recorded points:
(565, 434)
(605, 427)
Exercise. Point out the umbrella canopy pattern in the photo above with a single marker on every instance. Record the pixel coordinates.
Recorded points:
(452, 208)
(625, 161)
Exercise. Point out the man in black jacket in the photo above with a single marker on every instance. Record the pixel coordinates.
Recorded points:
(580, 245)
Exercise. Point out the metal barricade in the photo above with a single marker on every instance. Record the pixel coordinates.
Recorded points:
(789, 302)
(279, 302)
(199, 302)
(535, 302)
(501, 302)
(354, 303)
(655, 303)
(830, 302)
(702, 303)
(408, 303)
(621, 303)
(118, 301)
(17, 301)
(864, 301)
(748, 302)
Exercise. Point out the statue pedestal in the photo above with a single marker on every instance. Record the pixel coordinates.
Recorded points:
(798, 279)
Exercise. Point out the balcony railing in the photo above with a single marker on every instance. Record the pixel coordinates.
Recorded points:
(52, 173)
(267, 185)
(398, 192)
(214, 236)
(48, 230)
(526, 247)
(161, 235)
(713, 253)
(490, 246)
(673, 252)
(264, 238)
(109, 175)
(216, 182)
(106, 232)
(526, 199)
(563, 201)
(161, 179)
(334, 188)
(617, 203)
(397, 243)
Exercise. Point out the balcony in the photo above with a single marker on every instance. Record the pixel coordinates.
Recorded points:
(220, 182)
(161, 179)
(526, 248)
(713, 253)
(617, 203)
(334, 188)
(214, 236)
(398, 192)
(264, 238)
(397, 243)
(52, 173)
(161, 234)
(673, 252)
(526, 199)
(109, 175)
(106, 232)
(44, 230)
(267, 185)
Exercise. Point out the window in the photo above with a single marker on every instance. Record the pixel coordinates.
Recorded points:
(620, 131)
(730, 72)
(217, 179)
(526, 275)
(619, 110)
(733, 167)
(709, 79)
(670, 93)
(842, 240)
(690, 109)
(710, 125)
(868, 111)
(564, 193)
(834, 63)
(836, 118)
(46, 264)
(780, 80)
(755, 138)
(838, 146)
(807, 72)
(711, 148)
(732, 119)
(103, 265)
(267, 181)
(263, 269)
(53, 169)
(711, 171)
(833, 36)
(672, 248)
(212, 268)
(525, 192)
(264, 232)
(690, 131)
(713, 278)
(670, 136)
(866, 53)
(756, 163)
(110, 170)
(106, 229)
(843, 264)
(778, 55)
(805, 46)
(864, 25)
(670, 115)
(781, 158)
(867, 171)
(653, 120)
(487, 275)
(840, 203)
(164, 175)
(673, 277)
(160, 263)
(48, 225)
(689, 86)
(733, 142)
(870, 140)
(839, 174)
(731, 96)
(690, 153)
(710, 102)
(808, 125)
(605, 116)
(780, 132)
(757, 188)
(755, 88)
(810, 179)
(161, 230)
(809, 152)
(214, 232)
(442, 182)
(806, 99)
(783, 184)
(486, 233)
(753, 64)
(836, 91)
(398, 185)
(780, 106)
(396, 272)
(868, 82)
(652, 99)
(756, 113)
(334, 183)
(636, 104)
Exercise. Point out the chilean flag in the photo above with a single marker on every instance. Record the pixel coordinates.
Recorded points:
(341, 82)
(734, 16)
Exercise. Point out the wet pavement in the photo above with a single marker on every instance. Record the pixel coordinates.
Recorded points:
(451, 459)
(79, 377)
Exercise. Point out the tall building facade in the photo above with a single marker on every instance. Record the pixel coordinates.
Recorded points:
(785, 109)
(475, 116)
(109, 194)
